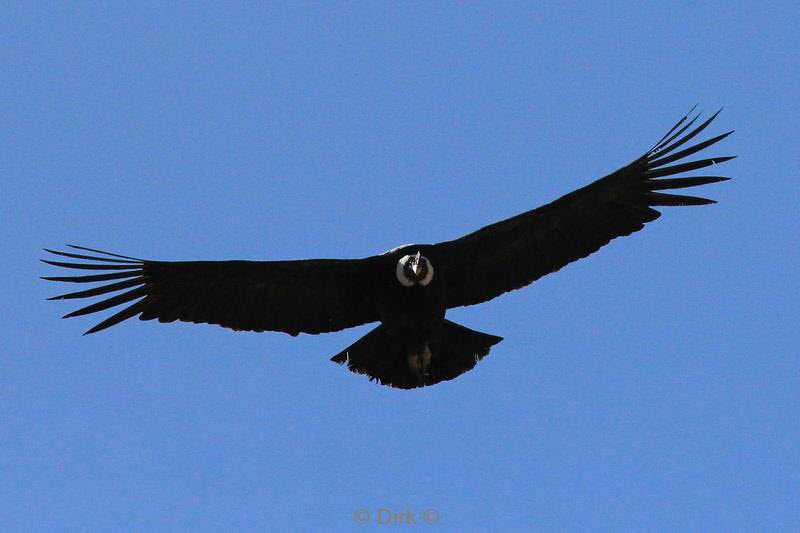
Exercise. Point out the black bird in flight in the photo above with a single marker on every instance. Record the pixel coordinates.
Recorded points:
(408, 289)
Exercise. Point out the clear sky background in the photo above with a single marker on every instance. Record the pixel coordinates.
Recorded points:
(653, 385)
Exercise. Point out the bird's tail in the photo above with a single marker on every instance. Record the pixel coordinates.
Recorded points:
(383, 359)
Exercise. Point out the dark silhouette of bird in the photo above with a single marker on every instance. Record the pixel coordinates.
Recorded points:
(408, 289)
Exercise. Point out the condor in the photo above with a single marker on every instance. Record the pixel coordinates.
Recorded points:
(408, 289)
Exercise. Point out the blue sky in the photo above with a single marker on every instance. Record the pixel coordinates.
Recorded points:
(653, 385)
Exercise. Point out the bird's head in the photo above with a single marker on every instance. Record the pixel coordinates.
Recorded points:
(414, 269)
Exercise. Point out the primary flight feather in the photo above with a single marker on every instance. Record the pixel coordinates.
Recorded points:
(408, 289)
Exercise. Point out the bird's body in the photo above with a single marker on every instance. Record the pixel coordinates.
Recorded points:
(407, 289)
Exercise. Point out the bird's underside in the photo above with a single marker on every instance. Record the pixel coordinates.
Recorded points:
(408, 289)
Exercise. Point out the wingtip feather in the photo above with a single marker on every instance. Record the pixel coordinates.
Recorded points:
(662, 199)
(75, 246)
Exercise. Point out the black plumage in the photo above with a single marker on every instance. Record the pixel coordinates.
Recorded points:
(409, 289)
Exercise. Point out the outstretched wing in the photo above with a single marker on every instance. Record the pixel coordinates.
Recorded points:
(513, 253)
(307, 296)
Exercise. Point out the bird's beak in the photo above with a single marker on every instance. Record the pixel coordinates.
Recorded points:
(415, 264)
